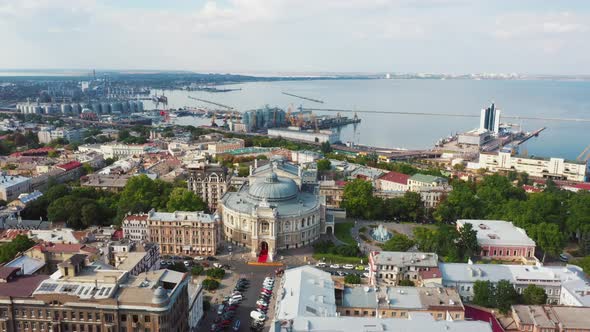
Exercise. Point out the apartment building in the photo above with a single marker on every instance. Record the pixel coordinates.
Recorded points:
(208, 181)
(545, 318)
(86, 298)
(389, 267)
(184, 233)
(12, 186)
(400, 302)
(135, 227)
(555, 280)
(52, 254)
(554, 168)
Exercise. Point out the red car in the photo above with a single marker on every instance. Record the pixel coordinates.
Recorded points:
(266, 291)
(232, 307)
(262, 307)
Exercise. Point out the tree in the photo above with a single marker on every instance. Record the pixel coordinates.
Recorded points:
(197, 270)
(406, 282)
(19, 244)
(426, 239)
(141, 194)
(548, 237)
(505, 296)
(357, 198)
(483, 293)
(459, 167)
(324, 165)
(413, 206)
(399, 242)
(326, 147)
(352, 279)
(467, 243)
(461, 203)
(584, 263)
(216, 273)
(243, 171)
(210, 284)
(182, 199)
(87, 169)
(178, 266)
(533, 295)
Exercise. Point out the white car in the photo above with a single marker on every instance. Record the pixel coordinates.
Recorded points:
(348, 266)
(335, 266)
(320, 264)
(199, 258)
(367, 269)
(258, 316)
(365, 274)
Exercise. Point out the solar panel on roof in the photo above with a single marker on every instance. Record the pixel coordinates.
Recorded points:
(48, 287)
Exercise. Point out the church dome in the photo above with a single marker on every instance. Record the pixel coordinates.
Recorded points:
(274, 188)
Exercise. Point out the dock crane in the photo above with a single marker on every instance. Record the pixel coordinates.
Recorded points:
(585, 155)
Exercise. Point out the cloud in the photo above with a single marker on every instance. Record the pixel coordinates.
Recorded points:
(526, 25)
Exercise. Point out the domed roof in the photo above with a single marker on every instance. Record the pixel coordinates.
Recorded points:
(274, 188)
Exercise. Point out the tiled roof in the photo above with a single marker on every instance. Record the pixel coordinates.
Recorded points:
(6, 272)
(395, 177)
(70, 166)
(22, 286)
(62, 247)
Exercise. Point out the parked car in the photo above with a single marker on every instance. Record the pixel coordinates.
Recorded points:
(211, 258)
(220, 309)
(335, 266)
(187, 263)
(563, 258)
(199, 258)
(217, 265)
(365, 274)
(320, 264)
(257, 316)
(360, 268)
(348, 266)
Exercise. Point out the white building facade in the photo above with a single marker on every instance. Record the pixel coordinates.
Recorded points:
(555, 168)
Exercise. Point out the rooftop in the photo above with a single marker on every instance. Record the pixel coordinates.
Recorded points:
(64, 235)
(305, 292)
(400, 258)
(22, 286)
(427, 178)
(546, 316)
(465, 272)
(415, 322)
(70, 165)
(359, 297)
(129, 260)
(199, 216)
(395, 177)
(498, 232)
(11, 180)
(27, 264)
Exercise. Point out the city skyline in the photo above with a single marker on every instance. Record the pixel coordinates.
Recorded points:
(286, 36)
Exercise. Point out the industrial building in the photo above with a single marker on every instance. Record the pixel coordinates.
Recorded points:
(311, 136)
(264, 118)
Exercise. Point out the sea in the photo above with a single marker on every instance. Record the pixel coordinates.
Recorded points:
(515, 98)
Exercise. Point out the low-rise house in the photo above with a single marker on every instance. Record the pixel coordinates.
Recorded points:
(12, 186)
(500, 239)
(393, 181)
(400, 302)
(55, 253)
(389, 267)
(545, 318)
(555, 280)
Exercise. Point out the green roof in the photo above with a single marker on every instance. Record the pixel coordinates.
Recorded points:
(427, 178)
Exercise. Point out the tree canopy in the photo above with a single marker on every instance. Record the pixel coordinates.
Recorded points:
(534, 294)
(182, 199)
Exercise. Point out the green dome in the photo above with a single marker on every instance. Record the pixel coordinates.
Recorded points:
(274, 188)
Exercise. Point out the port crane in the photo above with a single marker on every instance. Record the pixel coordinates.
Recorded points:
(585, 155)
(212, 103)
(302, 97)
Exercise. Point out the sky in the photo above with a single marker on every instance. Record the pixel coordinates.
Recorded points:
(299, 36)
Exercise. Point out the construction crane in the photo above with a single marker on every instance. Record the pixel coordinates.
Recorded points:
(585, 155)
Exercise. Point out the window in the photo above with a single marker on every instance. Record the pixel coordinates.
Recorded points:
(123, 318)
(146, 319)
(393, 314)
